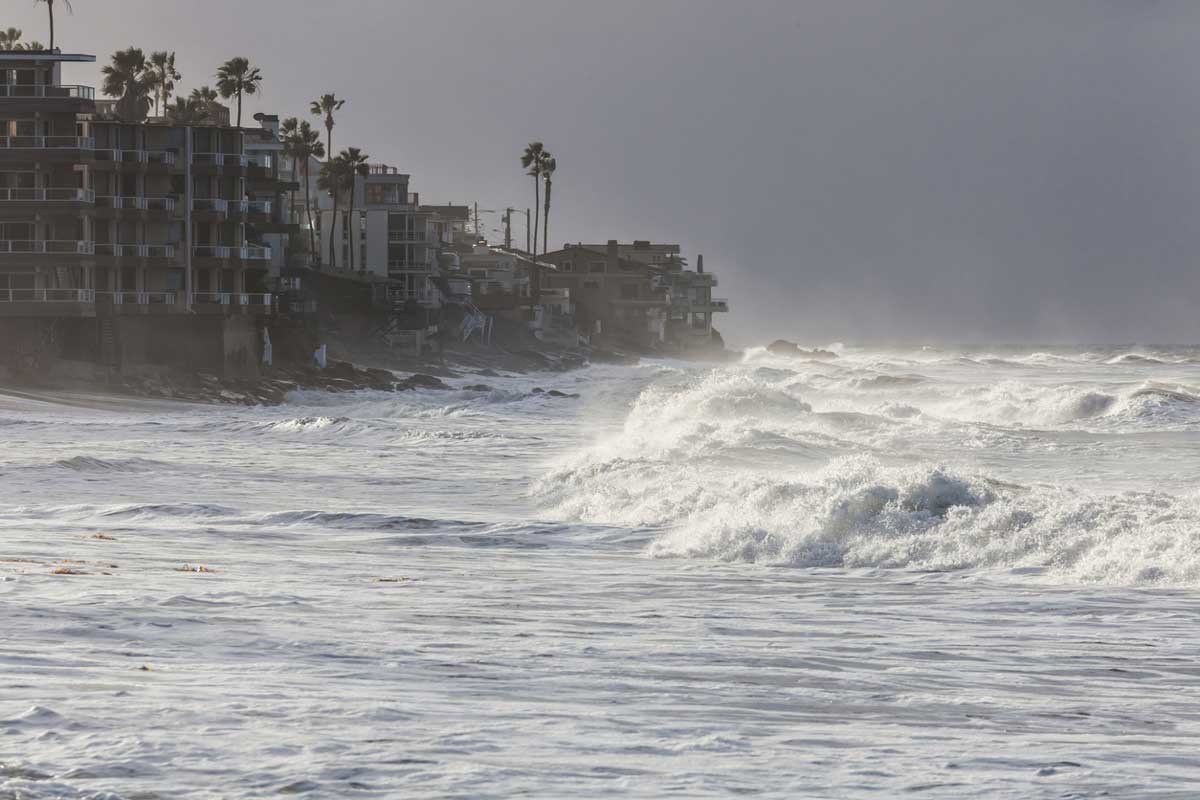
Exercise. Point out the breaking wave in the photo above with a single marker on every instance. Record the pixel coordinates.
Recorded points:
(736, 466)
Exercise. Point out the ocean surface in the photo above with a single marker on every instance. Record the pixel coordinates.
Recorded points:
(937, 573)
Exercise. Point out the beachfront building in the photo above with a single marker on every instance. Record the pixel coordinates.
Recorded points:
(616, 299)
(125, 242)
(640, 293)
(389, 236)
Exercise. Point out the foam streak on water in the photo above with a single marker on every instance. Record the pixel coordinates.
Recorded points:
(943, 573)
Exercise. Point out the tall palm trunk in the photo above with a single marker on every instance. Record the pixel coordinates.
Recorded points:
(239, 119)
(50, 8)
(353, 228)
(312, 235)
(333, 232)
(546, 217)
(535, 274)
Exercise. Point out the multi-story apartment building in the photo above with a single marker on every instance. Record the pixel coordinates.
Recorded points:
(390, 235)
(138, 242)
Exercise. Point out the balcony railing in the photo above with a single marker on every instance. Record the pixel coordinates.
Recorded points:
(141, 298)
(260, 206)
(416, 237)
(255, 253)
(136, 250)
(238, 206)
(165, 157)
(211, 251)
(50, 195)
(46, 247)
(264, 160)
(47, 296)
(48, 91)
(47, 143)
(213, 204)
(137, 203)
(220, 159)
(232, 299)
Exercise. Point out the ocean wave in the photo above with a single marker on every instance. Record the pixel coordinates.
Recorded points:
(93, 464)
(349, 520)
(856, 512)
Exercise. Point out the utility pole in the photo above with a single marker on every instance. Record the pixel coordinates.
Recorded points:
(508, 228)
(476, 219)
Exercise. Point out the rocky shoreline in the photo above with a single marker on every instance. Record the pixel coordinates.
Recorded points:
(273, 387)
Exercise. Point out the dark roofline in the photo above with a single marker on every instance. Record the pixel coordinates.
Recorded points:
(45, 55)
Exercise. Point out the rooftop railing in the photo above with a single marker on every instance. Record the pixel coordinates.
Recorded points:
(46, 247)
(46, 91)
(47, 296)
(47, 143)
(48, 195)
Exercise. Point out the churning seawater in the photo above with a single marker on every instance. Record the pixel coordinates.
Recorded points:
(938, 573)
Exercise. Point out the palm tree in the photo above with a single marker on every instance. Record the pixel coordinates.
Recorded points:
(9, 39)
(532, 160)
(333, 180)
(548, 166)
(126, 78)
(188, 111)
(302, 144)
(325, 105)
(162, 77)
(50, 8)
(236, 78)
(354, 163)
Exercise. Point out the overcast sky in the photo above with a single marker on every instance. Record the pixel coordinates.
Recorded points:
(961, 170)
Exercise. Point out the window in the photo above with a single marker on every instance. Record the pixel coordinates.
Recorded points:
(568, 266)
(596, 266)
(591, 284)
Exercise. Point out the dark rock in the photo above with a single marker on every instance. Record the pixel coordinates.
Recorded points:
(537, 390)
(487, 373)
(477, 387)
(420, 381)
(782, 347)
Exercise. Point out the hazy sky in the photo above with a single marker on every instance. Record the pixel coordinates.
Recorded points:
(854, 169)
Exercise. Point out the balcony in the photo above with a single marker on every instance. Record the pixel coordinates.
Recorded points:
(227, 301)
(126, 202)
(141, 298)
(136, 250)
(52, 143)
(211, 205)
(134, 157)
(46, 247)
(401, 237)
(211, 251)
(254, 253)
(220, 159)
(50, 195)
(43, 91)
(262, 207)
(47, 296)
